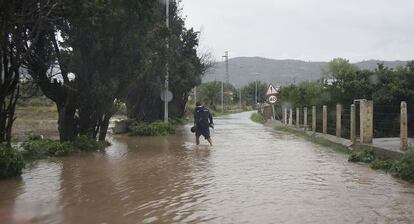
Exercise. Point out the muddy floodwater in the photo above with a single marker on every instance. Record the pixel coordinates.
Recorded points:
(250, 175)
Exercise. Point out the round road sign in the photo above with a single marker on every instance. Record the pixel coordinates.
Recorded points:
(272, 99)
(166, 96)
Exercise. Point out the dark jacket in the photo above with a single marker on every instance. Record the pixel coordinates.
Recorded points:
(202, 117)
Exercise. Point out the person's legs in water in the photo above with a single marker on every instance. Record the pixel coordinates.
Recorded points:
(205, 132)
(210, 141)
(197, 140)
(198, 134)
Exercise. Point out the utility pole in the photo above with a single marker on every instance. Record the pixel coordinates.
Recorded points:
(255, 92)
(167, 75)
(222, 91)
(226, 55)
(240, 97)
(195, 94)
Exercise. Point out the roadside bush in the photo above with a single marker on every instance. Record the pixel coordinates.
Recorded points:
(11, 162)
(258, 118)
(84, 143)
(365, 156)
(404, 168)
(35, 148)
(153, 129)
(386, 165)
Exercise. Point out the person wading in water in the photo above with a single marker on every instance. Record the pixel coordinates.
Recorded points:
(202, 121)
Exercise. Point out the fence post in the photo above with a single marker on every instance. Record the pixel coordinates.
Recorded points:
(290, 116)
(325, 119)
(314, 118)
(366, 120)
(353, 124)
(338, 120)
(297, 117)
(305, 118)
(403, 126)
(285, 116)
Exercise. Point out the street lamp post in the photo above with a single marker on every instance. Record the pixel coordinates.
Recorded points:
(167, 75)
(240, 97)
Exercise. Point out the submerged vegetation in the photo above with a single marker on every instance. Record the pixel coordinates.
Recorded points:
(11, 162)
(37, 148)
(364, 155)
(152, 129)
(134, 128)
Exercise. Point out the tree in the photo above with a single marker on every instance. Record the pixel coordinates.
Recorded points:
(184, 65)
(249, 92)
(15, 18)
(101, 47)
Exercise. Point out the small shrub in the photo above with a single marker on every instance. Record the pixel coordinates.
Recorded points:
(386, 165)
(11, 162)
(41, 148)
(404, 168)
(258, 118)
(153, 129)
(34, 137)
(85, 143)
(64, 149)
(365, 156)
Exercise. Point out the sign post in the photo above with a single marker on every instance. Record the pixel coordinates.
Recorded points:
(272, 94)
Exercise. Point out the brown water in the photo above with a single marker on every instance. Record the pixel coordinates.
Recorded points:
(251, 175)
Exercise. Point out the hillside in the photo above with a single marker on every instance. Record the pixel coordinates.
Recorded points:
(279, 72)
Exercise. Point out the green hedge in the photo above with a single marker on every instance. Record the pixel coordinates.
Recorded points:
(158, 128)
(365, 156)
(11, 162)
(153, 129)
(403, 168)
(37, 148)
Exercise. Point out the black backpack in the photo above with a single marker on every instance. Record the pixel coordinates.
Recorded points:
(203, 116)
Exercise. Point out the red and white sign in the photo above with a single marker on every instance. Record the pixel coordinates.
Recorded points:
(271, 90)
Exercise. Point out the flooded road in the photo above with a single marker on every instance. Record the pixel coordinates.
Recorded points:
(250, 175)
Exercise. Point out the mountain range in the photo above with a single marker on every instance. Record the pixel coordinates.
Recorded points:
(243, 70)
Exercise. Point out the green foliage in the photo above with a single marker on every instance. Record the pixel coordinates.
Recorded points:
(210, 94)
(258, 118)
(343, 83)
(153, 129)
(364, 155)
(305, 94)
(34, 137)
(35, 148)
(85, 143)
(249, 91)
(386, 165)
(404, 168)
(11, 162)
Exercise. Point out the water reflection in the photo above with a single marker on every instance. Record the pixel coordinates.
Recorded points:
(250, 175)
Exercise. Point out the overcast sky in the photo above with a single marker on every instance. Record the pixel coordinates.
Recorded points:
(310, 30)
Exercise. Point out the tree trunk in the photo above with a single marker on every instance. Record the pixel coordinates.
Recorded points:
(104, 127)
(67, 123)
